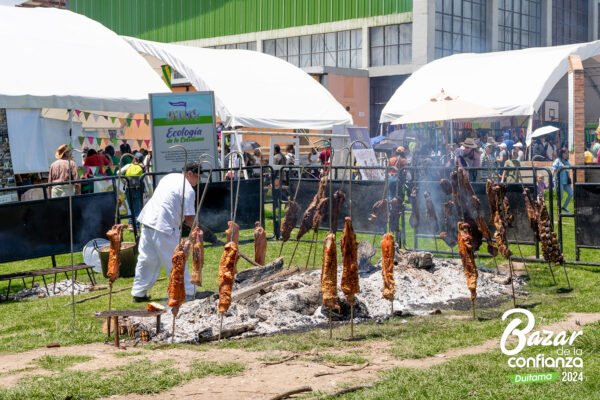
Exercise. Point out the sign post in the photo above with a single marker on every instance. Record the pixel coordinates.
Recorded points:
(186, 119)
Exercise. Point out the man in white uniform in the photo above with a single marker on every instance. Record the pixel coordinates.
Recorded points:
(160, 219)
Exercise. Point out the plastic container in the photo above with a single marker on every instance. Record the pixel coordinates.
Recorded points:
(128, 259)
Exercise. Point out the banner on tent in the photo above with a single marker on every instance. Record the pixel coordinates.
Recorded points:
(186, 119)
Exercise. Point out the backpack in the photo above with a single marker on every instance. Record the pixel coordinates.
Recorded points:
(134, 172)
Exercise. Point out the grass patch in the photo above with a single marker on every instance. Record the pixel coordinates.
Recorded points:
(123, 354)
(486, 376)
(60, 363)
(343, 359)
(145, 377)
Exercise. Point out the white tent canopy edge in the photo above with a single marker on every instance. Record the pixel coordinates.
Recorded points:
(252, 89)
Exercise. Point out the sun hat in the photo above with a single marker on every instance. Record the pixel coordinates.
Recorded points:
(61, 150)
(470, 143)
(400, 149)
(502, 145)
(519, 144)
(491, 141)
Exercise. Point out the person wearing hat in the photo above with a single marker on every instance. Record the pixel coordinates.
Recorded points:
(62, 170)
(518, 149)
(488, 160)
(502, 154)
(469, 156)
(508, 141)
(325, 153)
(160, 220)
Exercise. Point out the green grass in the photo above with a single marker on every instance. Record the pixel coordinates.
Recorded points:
(141, 377)
(343, 359)
(486, 376)
(123, 354)
(60, 363)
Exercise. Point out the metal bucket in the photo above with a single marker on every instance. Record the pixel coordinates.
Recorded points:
(128, 259)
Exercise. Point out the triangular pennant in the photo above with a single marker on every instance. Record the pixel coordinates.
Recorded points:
(139, 142)
(114, 141)
(122, 121)
(86, 115)
(147, 142)
(128, 121)
(137, 122)
(95, 116)
(99, 141)
(90, 139)
(166, 74)
(113, 119)
(78, 112)
(81, 139)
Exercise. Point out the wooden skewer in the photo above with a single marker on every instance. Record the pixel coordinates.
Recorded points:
(293, 253)
(552, 273)
(281, 249)
(352, 320)
(175, 311)
(220, 327)
(512, 284)
(330, 328)
(473, 307)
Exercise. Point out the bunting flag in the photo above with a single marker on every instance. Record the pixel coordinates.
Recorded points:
(81, 139)
(99, 141)
(128, 121)
(137, 122)
(166, 74)
(139, 142)
(122, 121)
(147, 142)
(95, 116)
(113, 119)
(77, 112)
(86, 115)
(146, 119)
(90, 139)
(114, 141)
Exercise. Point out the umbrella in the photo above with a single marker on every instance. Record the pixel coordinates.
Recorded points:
(544, 130)
(248, 145)
(385, 146)
(446, 108)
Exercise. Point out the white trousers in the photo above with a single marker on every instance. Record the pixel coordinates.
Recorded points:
(155, 249)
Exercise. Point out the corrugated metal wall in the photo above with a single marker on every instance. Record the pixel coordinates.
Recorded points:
(176, 20)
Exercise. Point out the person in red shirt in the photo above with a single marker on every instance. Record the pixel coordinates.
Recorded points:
(325, 154)
(93, 159)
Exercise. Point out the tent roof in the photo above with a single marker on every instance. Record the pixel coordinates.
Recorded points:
(59, 59)
(252, 89)
(512, 82)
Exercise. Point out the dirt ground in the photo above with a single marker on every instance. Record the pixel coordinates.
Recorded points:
(258, 381)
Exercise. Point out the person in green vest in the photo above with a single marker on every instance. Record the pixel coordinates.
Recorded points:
(135, 186)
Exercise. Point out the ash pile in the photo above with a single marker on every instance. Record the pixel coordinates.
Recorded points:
(62, 288)
(271, 300)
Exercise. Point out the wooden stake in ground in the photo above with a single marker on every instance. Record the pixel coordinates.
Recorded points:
(512, 284)
(175, 311)
(220, 325)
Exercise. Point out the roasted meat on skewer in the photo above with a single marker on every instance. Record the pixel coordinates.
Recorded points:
(532, 214)
(232, 234)
(321, 214)
(487, 235)
(414, 212)
(431, 216)
(387, 266)
(446, 187)
(349, 246)
(227, 271)
(176, 289)
(307, 218)
(500, 223)
(338, 201)
(260, 243)
(449, 236)
(197, 240)
(115, 236)
(379, 214)
(550, 248)
(329, 273)
(289, 221)
(467, 255)
(396, 208)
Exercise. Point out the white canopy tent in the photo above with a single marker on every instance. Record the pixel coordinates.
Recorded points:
(62, 60)
(514, 83)
(252, 89)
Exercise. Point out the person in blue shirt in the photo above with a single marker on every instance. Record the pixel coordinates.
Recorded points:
(564, 182)
(508, 141)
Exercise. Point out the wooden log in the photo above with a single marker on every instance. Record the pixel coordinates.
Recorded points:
(365, 365)
(289, 393)
(225, 333)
